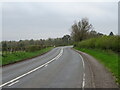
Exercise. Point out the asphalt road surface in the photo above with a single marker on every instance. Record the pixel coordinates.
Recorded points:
(62, 67)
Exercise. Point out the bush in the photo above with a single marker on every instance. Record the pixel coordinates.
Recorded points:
(33, 48)
(104, 42)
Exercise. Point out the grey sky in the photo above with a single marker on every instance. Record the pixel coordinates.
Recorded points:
(49, 19)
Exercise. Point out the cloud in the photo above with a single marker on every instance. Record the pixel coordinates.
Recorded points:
(50, 19)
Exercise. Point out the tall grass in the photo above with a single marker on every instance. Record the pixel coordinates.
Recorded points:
(104, 42)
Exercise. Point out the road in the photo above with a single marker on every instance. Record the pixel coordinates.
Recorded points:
(62, 67)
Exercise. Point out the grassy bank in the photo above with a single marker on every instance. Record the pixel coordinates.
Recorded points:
(18, 56)
(108, 58)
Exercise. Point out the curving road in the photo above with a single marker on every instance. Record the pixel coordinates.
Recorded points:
(62, 67)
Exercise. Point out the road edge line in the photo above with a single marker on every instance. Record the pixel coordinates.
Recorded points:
(83, 81)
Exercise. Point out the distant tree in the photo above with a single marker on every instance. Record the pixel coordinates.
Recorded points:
(4, 46)
(111, 34)
(21, 45)
(92, 34)
(31, 42)
(100, 34)
(66, 39)
(80, 29)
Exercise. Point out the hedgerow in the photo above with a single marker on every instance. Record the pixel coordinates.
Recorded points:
(104, 42)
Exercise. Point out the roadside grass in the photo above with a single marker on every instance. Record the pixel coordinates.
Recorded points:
(0, 59)
(19, 56)
(108, 58)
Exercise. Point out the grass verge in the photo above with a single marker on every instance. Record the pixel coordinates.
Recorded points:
(19, 56)
(108, 58)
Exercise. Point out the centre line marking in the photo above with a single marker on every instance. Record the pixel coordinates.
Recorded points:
(60, 54)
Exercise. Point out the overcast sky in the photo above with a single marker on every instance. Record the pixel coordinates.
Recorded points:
(29, 20)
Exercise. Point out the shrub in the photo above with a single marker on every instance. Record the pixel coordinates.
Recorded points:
(104, 42)
(33, 48)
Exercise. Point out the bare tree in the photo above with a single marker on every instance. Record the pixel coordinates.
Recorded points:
(80, 29)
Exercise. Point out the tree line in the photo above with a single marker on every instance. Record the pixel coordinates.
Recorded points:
(34, 45)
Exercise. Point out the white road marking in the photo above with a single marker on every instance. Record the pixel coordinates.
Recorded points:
(33, 69)
(82, 61)
(46, 65)
(83, 82)
(13, 83)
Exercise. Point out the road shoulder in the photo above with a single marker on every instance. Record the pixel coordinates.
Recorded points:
(97, 76)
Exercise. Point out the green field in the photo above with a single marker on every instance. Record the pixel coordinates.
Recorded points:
(18, 56)
(108, 58)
